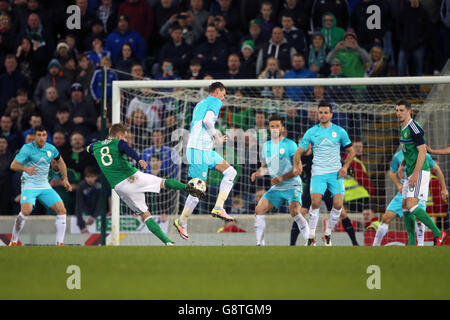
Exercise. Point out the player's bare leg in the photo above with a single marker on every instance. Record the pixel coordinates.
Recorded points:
(25, 211)
(261, 209)
(316, 199)
(295, 209)
(60, 223)
(229, 173)
(338, 201)
(155, 228)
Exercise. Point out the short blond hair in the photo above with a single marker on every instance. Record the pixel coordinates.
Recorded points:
(117, 128)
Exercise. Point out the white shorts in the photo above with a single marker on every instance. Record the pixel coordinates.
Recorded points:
(420, 190)
(132, 190)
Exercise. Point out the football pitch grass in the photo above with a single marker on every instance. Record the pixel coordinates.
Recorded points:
(224, 273)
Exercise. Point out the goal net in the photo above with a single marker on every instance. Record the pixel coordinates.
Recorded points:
(158, 114)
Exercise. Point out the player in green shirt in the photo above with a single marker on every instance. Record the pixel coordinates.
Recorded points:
(130, 183)
(415, 186)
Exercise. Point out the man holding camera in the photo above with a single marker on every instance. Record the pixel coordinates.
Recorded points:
(191, 31)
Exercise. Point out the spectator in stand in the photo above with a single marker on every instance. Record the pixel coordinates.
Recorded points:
(272, 71)
(63, 124)
(248, 59)
(82, 114)
(55, 79)
(336, 69)
(358, 186)
(7, 132)
(254, 34)
(87, 19)
(378, 66)
(60, 142)
(234, 69)
(276, 47)
(7, 34)
(229, 10)
(298, 71)
(139, 128)
(359, 19)
(97, 31)
(195, 70)
(39, 35)
(299, 10)
(293, 125)
(79, 158)
(141, 16)
(225, 35)
(199, 14)
(331, 32)
(122, 35)
(267, 18)
(69, 69)
(63, 52)
(413, 33)
(49, 106)
(31, 61)
(107, 14)
(96, 82)
(177, 50)
(137, 72)
(153, 108)
(170, 160)
(10, 82)
(434, 61)
(32, 7)
(351, 55)
(35, 121)
(125, 61)
(212, 53)
(338, 8)
(167, 72)
(295, 37)
(190, 32)
(85, 71)
(317, 55)
(5, 177)
(98, 52)
(163, 10)
(24, 107)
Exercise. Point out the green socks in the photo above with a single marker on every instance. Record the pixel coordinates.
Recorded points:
(174, 184)
(423, 216)
(410, 224)
(156, 230)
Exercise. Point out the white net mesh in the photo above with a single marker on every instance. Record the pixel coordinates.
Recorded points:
(159, 120)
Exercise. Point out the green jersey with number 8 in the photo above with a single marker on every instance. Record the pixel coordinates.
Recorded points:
(112, 162)
(411, 137)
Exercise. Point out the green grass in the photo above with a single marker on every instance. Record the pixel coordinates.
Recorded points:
(225, 272)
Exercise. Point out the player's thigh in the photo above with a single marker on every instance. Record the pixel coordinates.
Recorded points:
(28, 201)
(335, 185)
(264, 205)
(388, 216)
(395, 207)
(338, 201)
(50, 198)
(318, 185)
(274, 199)
(133, 199)
(294, 198)
(145, 182)
(198, 166)
(419, 190)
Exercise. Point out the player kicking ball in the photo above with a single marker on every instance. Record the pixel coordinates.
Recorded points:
(277, 155)
(129, 183)
(33, 160)
(395, 206)
(202, 158)
(326, 140)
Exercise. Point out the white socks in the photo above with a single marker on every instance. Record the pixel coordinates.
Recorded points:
(60, 224)
(260, 226)
(313, 219)
(381, 232)
(18, 226)
(420, 232)
(302, 225)
(334, 218)
(225, 187)
(189, 207)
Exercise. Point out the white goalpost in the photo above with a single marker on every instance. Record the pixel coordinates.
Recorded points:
(363, 106)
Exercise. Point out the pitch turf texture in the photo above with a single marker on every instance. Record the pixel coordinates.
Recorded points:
(206, 273)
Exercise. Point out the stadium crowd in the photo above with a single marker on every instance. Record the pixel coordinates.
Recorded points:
(51, 75)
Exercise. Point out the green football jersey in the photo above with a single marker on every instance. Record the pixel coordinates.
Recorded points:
(112, 162)
(410, 137)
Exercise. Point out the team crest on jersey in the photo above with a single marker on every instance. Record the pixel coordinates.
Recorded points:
(49, 154)
(406, 135)
(24, 198)
(204, 174)
(334, 134)
(282, 151)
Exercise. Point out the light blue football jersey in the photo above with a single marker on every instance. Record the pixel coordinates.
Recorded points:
(278, 158)
(398, 158)
(199, 138)
(326, 146)
(30, 155)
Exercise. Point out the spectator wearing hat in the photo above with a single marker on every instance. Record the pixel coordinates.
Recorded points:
(10, 81)
(318, 54)
(331, 32)
(248, 59)
(123, 35)
(254, 34)
(299, 11)
(63, 52)
(276, 47)
(141, 16)
(212, 53)
(97, 52)
(351, 55)
(191, 33)
(177, 50)
(53, 78)
(295, 37)
(107, 14)
(338, 8)
(82, 114)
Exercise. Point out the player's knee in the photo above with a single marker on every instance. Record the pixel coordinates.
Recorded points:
(260, 210)
(230, 173)
(386, 219)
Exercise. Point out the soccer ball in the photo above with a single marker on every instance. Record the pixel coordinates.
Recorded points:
(198, 184)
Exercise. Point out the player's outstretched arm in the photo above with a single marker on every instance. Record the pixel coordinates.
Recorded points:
(17, 166)
(438, 151)
(395, 180)
(63, 169)
(441, 178)
(125, 148)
